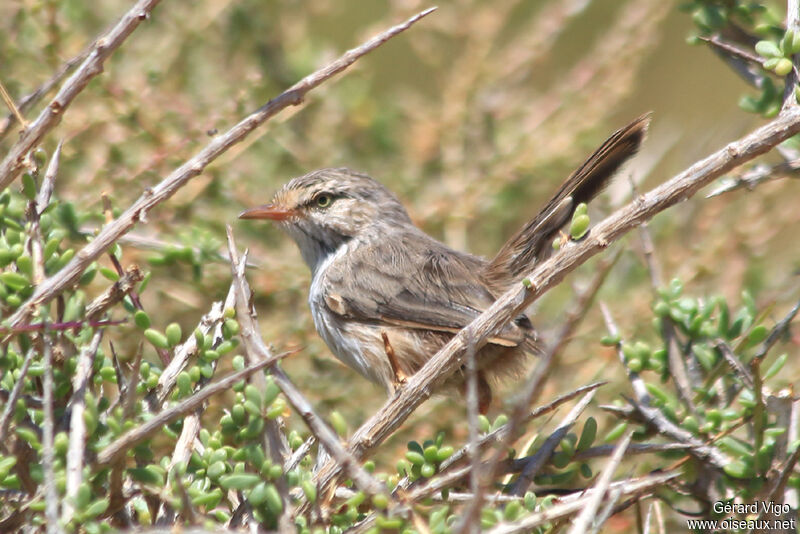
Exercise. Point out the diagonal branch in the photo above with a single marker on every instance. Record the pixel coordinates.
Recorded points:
(133, 436)
(536, 462)
(32, 98)
(193, 167)
(551, 272)
(51, 115)
(256, 348)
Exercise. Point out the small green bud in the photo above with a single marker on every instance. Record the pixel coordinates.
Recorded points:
(579, 226)
(381, 501)
(610, 341)
(768, 49)
(431, 453)
(415, 458)
(757, 335)
(588, 434)
(309, 490)
(141, 319)
(155, 337)
(258, 494)
(28, 186)
(444, 453)
(775, 368)
(174, 334)
(616, 432)
(239, 481)
(338, 423)
(230, 328)
(783, 67)
(483, 423)
(276, 409)
(428, 470)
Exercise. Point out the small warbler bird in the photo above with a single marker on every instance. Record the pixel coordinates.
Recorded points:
(385, 296)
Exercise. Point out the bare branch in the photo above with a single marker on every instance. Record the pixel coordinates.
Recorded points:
(536, 461)
(77, 426)
(777, 331)
(193, 167)
(11, 402)
(191, 423)
(255, 346)
(755, 176)
(742, 61)
(49, 181)
(655, 418)
(469, 522)
(294, 460)
(503, 434)
(114, 293)
(12, 106)
(182, 353)
(51, 115)
(32, 98)
(585, 519)
(48, 442)
(572, 504)
(145, 430)
(793, 25)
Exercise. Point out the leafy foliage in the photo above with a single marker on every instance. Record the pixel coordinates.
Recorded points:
(706, 375)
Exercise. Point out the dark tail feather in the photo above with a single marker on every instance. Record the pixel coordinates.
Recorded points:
(533, 240)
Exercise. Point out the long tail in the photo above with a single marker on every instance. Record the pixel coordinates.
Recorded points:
(532, 242)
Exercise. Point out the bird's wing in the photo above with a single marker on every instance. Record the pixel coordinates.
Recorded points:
(408, 279)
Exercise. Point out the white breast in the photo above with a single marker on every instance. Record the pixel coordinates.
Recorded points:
(333, 329)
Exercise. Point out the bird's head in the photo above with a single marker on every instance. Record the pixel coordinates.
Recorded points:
(327, 208)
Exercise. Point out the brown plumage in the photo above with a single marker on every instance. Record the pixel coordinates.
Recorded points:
(374, 273)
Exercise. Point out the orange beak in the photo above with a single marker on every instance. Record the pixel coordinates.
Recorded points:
(268, 211)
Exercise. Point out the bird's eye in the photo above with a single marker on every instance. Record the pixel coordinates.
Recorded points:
(323, 201)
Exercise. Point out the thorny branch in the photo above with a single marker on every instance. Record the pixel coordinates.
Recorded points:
(51, 115)
(151, 197)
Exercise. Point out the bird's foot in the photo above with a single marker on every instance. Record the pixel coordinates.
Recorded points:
(400, 377)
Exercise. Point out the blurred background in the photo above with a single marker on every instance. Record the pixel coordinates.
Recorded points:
(473, 117)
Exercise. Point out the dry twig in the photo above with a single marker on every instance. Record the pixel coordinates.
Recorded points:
(130, 438)
(51, 115)
(77, 425)
(587, 515)
(255, 347)
(535, 462)
(570, 505)
(654, 417)
(193, 167)
(32, 98)
(48, 447)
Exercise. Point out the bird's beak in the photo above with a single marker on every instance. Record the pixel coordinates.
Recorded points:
(268, 211)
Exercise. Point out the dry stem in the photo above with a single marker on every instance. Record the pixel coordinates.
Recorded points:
(151, 197)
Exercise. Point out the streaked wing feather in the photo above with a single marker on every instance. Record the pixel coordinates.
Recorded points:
(411, 280)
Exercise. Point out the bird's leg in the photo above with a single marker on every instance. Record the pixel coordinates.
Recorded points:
(484, 393)
(399, 376)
